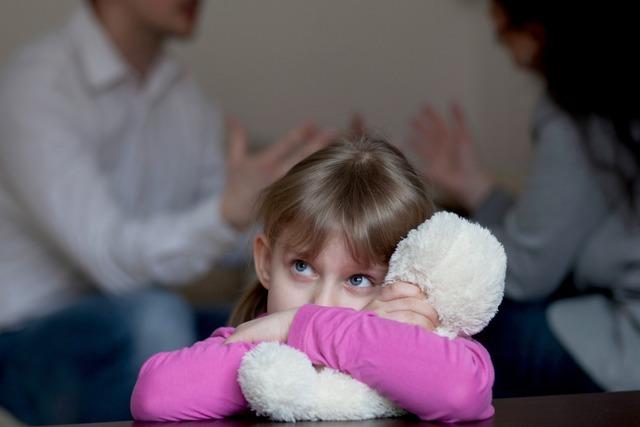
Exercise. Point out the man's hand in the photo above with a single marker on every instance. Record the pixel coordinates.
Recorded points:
(248, 174)
(274, 327)
(357, 128)
(406, 303)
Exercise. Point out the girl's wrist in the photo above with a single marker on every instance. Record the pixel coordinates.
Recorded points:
(289, 316)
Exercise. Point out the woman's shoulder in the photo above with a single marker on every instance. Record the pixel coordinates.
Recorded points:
(559, 133)
(556, 136)
(548, 116)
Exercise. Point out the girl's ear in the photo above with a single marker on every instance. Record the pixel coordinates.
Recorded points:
(262, 260)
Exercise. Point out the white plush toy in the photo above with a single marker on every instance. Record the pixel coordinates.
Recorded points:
(461, 268)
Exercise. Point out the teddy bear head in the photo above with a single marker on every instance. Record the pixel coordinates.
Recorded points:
(459, 265)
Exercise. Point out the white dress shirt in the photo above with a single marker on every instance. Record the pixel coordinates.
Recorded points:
(103, 180)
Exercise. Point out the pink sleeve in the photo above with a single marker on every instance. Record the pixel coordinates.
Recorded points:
(194, 383)
(428, 375)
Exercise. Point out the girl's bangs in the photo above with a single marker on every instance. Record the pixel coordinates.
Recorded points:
(369, 240)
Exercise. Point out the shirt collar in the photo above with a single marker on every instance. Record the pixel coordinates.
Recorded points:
(103, 64)
(165, 72)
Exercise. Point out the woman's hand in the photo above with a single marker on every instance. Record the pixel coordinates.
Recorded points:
(451, 164)
(274, 327)
(404, 302)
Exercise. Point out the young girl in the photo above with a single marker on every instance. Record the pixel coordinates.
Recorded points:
(329, 227)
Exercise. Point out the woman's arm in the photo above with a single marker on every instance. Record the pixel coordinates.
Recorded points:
(560, 206)
(194, 383)
(428, 375)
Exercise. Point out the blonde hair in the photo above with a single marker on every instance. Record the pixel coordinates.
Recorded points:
(366, 191)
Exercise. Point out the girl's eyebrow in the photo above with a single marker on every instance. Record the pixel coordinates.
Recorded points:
(293, 253)
(374, 269)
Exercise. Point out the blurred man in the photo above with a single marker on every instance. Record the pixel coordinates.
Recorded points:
(112, 178)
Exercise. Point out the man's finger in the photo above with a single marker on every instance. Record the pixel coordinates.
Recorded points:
(357, 127)
(237, 141)
(289, 143)
(318, 142)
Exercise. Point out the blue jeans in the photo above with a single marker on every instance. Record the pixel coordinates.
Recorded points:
(80, 364)
(528, 358)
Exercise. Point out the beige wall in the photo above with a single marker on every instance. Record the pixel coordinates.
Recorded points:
(275, 63)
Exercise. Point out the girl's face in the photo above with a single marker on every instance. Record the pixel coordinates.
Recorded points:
(333, 278)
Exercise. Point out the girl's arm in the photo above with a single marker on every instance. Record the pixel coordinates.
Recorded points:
(194, 383)
(428, 375)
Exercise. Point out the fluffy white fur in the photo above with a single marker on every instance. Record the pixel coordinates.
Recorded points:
(459, 265)
(280, 382)
(461, 268)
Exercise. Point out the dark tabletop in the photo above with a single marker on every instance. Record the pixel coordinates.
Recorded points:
(585, 410)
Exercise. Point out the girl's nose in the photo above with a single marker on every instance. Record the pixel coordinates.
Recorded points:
(324, 295)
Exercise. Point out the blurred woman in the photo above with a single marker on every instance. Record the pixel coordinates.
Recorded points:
(571, 320)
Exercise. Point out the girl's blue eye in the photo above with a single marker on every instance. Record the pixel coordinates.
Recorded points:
(360, 281)
(301, 267)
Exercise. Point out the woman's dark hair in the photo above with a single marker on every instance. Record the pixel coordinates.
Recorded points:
(589, 63)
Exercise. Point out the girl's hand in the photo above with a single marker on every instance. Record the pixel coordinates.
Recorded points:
(451, 163)
(274, 327)
(404, 302)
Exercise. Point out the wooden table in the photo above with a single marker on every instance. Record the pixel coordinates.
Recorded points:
(585, 410)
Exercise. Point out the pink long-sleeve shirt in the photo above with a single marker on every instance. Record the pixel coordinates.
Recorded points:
(428, 375)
